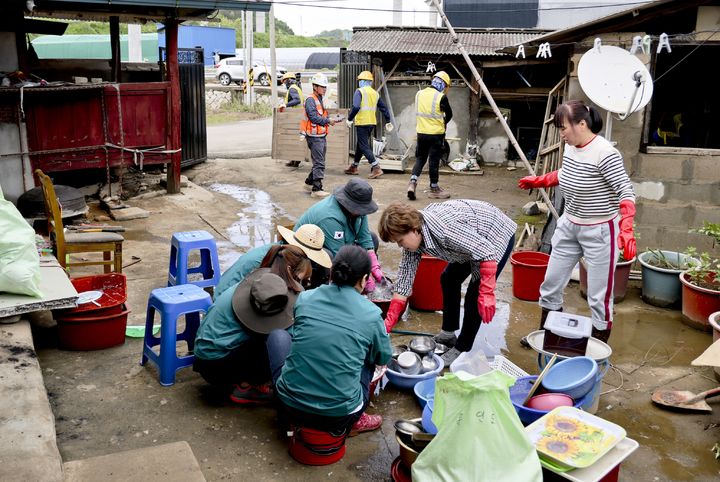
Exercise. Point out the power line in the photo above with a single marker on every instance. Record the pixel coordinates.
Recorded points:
(321, 4)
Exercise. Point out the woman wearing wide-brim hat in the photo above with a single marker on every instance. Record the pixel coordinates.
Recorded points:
(322, 371)
(342, 218)
(230, 350)
(309, 239)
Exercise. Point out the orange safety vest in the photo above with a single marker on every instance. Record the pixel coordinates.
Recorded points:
(310, 129)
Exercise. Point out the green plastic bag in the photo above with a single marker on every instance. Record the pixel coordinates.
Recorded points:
(480, 437)
(19, 260)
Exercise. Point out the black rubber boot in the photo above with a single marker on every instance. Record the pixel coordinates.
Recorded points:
(602, 335)
(543, 316)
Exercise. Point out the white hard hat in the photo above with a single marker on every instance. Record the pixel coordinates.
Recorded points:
(319, 79)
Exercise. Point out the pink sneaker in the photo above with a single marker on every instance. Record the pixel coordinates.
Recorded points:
(251, 394)
(366, 423)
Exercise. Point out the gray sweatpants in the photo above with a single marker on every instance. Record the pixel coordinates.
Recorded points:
(597, 243)
(318, 148)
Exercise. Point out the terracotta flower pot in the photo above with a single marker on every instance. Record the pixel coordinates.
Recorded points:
(698, 304)
(622, 275)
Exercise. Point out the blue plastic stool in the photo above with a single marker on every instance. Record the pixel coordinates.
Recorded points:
(172, 303)
(181, 246)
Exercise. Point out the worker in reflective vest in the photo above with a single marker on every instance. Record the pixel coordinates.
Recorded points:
(366, 101)
(294, 96)
(432, 114)
(315, 129)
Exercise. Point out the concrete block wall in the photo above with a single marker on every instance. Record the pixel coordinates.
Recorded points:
(675, 193)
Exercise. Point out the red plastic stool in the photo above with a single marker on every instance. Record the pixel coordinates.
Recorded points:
(314, 447)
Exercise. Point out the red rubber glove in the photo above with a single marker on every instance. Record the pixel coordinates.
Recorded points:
(486, 295)
(375, 266)
(370, 285)
(396, 309)
(626, 238)
(547, 180)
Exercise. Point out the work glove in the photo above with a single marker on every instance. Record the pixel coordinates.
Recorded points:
(626, 238)
(486, 295)
(375, 269)
(389, 127)
(281, 107)
(396, 309)
(349, 124)
(370, 284)
(547, 180)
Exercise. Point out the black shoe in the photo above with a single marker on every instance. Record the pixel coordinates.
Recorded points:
(524, 342)
(411, 190)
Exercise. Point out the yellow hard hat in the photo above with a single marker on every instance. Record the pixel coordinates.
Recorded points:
(365, 75)
(443, 76)
(288, 75)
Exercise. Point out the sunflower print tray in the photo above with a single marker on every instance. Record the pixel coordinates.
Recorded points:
(573, 438)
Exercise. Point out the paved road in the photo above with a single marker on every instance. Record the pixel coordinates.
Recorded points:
(241, 137)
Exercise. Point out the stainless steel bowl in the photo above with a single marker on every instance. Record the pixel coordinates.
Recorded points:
(422, 345)
(409, 363)
(398, 349)
(428, 363)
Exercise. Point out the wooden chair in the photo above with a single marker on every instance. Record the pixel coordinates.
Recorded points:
(69, 243)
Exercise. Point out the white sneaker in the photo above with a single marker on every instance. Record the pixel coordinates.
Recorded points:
(319, 194)
(450, 356)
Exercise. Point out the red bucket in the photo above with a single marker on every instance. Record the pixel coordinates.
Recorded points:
(89, 331)
(427, 292)
(315, 447)
(528, 273)
(114, 293)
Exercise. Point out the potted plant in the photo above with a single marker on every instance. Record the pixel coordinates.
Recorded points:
(701, 283)
(622, 274)
(660, 282)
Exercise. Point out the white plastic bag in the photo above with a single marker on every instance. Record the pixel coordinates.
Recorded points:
(19, 260)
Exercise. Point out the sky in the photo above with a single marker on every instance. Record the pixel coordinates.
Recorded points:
(314, 16)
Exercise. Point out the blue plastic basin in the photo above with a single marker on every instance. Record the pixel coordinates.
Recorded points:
(575, 377)
(427, 414)
(519, 391)
(424, 391)
(401, 380)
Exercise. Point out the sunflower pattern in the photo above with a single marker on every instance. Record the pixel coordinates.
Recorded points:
(572, 442)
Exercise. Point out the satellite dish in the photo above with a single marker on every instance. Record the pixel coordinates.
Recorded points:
(615, 80)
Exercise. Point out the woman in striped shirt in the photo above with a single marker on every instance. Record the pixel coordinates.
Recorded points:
(596, 189)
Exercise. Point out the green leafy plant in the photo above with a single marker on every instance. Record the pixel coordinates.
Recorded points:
(706, 273)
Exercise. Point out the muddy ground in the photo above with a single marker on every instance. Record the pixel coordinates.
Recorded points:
(104, 402)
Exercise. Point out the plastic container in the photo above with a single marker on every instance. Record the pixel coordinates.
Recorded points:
(528, 273)
(113, 287)
(575, 377)
(427, 414)
(424, 391)
(402, 380)
(519, 391)
(427, 292)
(92, 332)
(566, 334)
(596, 349)
(549, 401)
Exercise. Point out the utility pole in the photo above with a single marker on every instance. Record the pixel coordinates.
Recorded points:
(248, 56)
(397, 13)
(273, 60)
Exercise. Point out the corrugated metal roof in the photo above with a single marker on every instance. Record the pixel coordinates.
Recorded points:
(438, 41)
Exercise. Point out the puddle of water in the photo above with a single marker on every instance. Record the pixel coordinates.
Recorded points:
(256, 224)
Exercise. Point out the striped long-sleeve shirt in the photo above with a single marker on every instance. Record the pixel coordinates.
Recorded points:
(458, 231)
(593, 181)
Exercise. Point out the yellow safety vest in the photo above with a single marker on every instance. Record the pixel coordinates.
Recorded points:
(429, 118)
(299, 92)
(368, 107)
